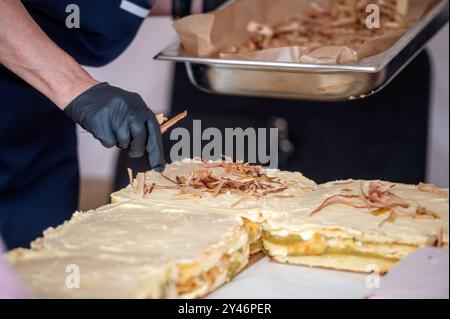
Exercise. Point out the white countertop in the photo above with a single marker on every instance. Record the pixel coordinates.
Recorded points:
(424, 274)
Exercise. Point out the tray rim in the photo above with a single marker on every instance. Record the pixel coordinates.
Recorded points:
(373, 64)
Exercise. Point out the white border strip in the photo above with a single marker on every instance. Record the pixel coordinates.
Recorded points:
(133, 8)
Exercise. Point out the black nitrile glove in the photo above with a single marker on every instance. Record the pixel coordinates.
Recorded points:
(119, 118)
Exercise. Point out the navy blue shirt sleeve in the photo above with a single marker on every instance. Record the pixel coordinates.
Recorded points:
(106, 27)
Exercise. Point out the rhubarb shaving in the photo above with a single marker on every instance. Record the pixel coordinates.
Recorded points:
(172, 122)
(379, 200)
(336, 199)
(343, 23)
(433, 189)
(130, 177)
(391, 218)
(220, 178)
(161, 118)
(236, 178)
(169, 179)
(380, 211)
(140, 185)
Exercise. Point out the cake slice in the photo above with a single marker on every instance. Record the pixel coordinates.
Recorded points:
(360, 226)
(51, 275)
(129, 250)
(220, 187)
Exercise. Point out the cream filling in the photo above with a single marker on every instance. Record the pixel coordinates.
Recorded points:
(409, 227)
(223, 270)
(315, 244)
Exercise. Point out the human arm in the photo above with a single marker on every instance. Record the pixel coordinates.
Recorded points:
(114, 116)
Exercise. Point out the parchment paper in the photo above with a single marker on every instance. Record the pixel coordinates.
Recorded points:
(205, 35)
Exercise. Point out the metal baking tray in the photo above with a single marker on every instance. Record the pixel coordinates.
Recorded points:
(316, 82)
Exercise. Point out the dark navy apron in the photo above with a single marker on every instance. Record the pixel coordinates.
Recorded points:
(38, 147)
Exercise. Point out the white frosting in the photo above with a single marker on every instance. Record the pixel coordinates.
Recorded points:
(46, 275)
(251, 207)
(131, 244)
(131, 231)
(360, 223)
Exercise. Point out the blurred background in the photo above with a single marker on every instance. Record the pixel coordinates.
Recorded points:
(135, 70)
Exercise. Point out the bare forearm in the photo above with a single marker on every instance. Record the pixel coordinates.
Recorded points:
(161, 8)
(27, 51)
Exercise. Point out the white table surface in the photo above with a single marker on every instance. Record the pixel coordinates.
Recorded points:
(424, 274)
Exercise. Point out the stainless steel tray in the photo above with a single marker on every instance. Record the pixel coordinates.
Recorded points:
(316, 82)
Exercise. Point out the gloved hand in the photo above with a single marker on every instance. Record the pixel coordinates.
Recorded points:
(119, 118)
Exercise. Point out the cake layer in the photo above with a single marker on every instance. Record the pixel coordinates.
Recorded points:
(210, 248)
(55, 275)
(351, 263)
(360, 222)
(220, 188)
